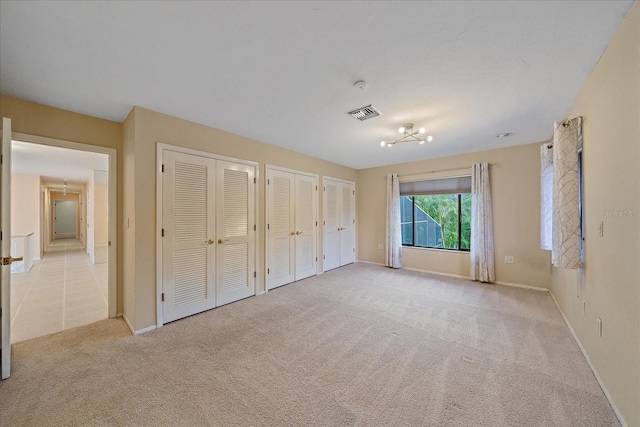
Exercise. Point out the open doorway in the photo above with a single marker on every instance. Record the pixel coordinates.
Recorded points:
(63, 210)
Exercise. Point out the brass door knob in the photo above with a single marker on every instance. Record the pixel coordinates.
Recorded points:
(298, 233)
(220, 241)
(210, 241)
(293, 233)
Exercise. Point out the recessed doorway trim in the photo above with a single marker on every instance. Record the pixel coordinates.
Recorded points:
(112, 208)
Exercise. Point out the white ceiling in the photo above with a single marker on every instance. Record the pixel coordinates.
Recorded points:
(56, 164)
(283, 72)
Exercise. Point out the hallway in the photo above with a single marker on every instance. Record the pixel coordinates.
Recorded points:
(63, 291)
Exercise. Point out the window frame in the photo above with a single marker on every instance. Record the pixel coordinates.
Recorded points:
(413, 227)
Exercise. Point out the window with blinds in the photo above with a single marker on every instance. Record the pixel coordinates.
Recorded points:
(436, 213)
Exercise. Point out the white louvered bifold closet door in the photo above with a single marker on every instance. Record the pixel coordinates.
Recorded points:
(188, 260)
(281, 228)
(331, 234)
(305, 225)
(347, 224)
(235, 235)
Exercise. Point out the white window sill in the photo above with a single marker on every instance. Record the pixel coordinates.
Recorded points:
(455, 251)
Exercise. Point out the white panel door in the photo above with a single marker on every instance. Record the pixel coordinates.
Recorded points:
(5, 250)
(331, 234)
(281, 228)
(306, 209)
(188, 249)
(235, 211)
(347, 224)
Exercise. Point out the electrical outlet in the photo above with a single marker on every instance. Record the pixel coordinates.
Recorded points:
(509, 259)
(380, 246)
(599, 326)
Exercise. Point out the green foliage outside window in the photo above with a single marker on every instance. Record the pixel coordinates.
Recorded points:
(443, 208)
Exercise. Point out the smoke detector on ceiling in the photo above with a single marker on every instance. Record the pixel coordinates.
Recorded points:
(365, 113)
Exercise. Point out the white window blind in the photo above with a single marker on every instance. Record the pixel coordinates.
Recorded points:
(452, 185)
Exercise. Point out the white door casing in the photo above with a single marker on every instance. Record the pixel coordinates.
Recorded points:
(347, 223)
(5, 250)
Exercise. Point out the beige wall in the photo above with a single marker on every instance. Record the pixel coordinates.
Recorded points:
(515, 188)
(25, 209)
(609, 284)
(143, 130)
(41, 120)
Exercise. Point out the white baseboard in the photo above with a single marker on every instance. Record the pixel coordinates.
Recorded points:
(140, 331)
(261, 293)
(515, 285)
(370, 262)
(586, 356)
(518, 285)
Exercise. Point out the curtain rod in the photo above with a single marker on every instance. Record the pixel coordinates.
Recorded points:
(445, 170)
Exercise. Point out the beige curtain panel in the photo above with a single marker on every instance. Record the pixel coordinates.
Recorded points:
(546, 196)
(393, 256)
(482, 252)
(567, 236)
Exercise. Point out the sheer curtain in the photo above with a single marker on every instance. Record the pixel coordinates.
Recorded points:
(393, 256)
(567, 233)
(546, 196)
(482, 256)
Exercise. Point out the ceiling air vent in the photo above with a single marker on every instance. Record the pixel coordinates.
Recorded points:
(365, 113)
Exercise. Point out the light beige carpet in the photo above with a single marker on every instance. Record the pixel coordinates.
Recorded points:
(362, 345)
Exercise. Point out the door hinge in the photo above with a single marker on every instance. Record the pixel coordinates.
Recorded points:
(254, 274)
(354, 249)
(163, 296)
(354, 221)
(268, 182)
(254, 227)
(316, 259)
(254, 179)
(268, 271)
(324, 188)
(163, 232)
(162, 168)
(324, 222)
(0, 235)
(324, 257)
(316, 188)
(316, 223)
(354, 193)
(109, 242)
(268, 226)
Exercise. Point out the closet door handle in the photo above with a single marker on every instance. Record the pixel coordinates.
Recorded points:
(293, 233)
(210, 241)
(298, 233)
(220, 241)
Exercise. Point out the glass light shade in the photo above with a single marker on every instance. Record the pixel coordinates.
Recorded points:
(401, 130)
(429, 138)
(422, 130)
(383, 143)
(421, 141)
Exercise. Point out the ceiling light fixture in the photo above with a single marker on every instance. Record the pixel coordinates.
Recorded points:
(409, 135)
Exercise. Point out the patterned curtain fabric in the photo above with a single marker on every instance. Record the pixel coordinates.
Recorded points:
(393, 256)
(546, 196)
(482, 256)
(567, 236)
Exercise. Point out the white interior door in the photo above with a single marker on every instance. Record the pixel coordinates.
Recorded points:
(281, 228)
(188, 248)
(331, 234)
(65, 219)
(347, 224)
(305, 226)
(5, 250)
(235, 207)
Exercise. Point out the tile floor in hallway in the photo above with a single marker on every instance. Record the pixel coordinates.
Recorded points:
(63, 291)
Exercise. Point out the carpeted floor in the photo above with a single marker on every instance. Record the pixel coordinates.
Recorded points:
(361, 345)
